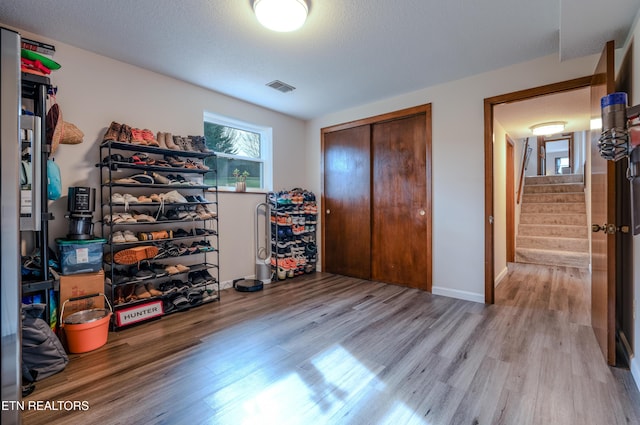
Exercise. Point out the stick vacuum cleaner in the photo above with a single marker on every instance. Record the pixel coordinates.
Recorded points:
(263, 254)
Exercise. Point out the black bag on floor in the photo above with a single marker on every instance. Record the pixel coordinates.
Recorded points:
(42, 351)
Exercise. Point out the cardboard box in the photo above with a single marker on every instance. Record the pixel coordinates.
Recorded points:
(78, 285)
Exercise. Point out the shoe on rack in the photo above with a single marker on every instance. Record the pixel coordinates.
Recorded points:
(186, 145)
(160, 139)
(160, 179)
(125, 134)
(135, 254)
(118, 237)
(136, 137)
(200, 144)
(142, 272)
(141, 292)
(112, 133)
(117, 198)
(173, 197)
(153, 291)
(174, 161)
(129, 199)
(154, 236)
(170, 142)
(147, 136)
(129, 236)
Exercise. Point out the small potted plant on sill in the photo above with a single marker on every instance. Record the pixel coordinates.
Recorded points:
(241, 180)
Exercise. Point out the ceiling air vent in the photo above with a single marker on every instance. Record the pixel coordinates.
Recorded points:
(280, 86)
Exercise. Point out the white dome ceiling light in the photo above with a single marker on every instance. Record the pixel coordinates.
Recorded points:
(281, 15)
(548, 128)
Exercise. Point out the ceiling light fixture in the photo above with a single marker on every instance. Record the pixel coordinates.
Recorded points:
(548, 128)
(281, 15)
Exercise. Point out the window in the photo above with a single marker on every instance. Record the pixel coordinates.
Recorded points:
(561, 162)
(240, 146)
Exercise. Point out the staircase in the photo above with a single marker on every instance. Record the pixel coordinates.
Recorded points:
(553, 222)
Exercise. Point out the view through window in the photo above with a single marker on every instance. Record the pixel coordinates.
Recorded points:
(244, 151)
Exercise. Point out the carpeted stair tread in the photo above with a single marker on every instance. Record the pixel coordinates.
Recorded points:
(553, 222)
(552, 257)
(550, 230)
(554, 243)
(553, 207)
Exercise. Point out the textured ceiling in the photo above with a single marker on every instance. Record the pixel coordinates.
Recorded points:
(348, 53)
(572, 107)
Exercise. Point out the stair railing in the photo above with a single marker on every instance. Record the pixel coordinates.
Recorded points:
(525, 163)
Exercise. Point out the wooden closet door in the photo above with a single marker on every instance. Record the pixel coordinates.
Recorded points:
(346, 204)
(400, 211)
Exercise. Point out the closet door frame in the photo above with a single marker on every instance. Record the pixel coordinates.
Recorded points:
(421, 109)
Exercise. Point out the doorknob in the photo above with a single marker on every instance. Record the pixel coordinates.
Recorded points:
(328, 211)
(422, 212)
(609, 229)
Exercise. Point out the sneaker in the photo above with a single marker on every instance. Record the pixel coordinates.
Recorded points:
(147, 136)
(118, 237)
(142, 178)
(160, 179)
(117, 198)
(129, 236)
(173, 197)
(128, 198)
(136, 137)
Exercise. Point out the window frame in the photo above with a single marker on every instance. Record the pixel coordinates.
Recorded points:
(266, 148)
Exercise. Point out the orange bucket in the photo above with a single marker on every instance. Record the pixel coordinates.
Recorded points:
(86, 330)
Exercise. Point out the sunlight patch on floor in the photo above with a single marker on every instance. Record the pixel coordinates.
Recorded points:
(315, 392)
(400, 413)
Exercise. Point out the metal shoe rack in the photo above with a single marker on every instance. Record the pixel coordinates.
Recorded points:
(35, 224)
(293, 233)
(180, 235)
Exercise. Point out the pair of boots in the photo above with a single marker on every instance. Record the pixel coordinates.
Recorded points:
(137, 292)
(118, 133)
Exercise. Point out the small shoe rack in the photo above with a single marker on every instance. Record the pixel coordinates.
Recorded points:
(160, 219)
(293, 233)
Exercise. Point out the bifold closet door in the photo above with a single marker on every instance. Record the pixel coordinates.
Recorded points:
(347, 207)
(400, 211)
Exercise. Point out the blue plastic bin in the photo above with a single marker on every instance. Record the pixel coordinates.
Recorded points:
(80, 256)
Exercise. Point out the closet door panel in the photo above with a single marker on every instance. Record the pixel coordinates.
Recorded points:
(346, 208)
(400, 211)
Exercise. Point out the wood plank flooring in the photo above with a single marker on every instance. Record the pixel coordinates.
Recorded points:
(326, 349)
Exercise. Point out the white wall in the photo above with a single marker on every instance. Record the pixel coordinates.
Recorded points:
(458, 160)
(634, 99)
(95, 90)
(499, 201)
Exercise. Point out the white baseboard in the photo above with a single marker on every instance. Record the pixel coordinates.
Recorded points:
(455, 293)
(500, 276)
(635, 370)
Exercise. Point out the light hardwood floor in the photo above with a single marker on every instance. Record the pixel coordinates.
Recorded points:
(325, 349)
